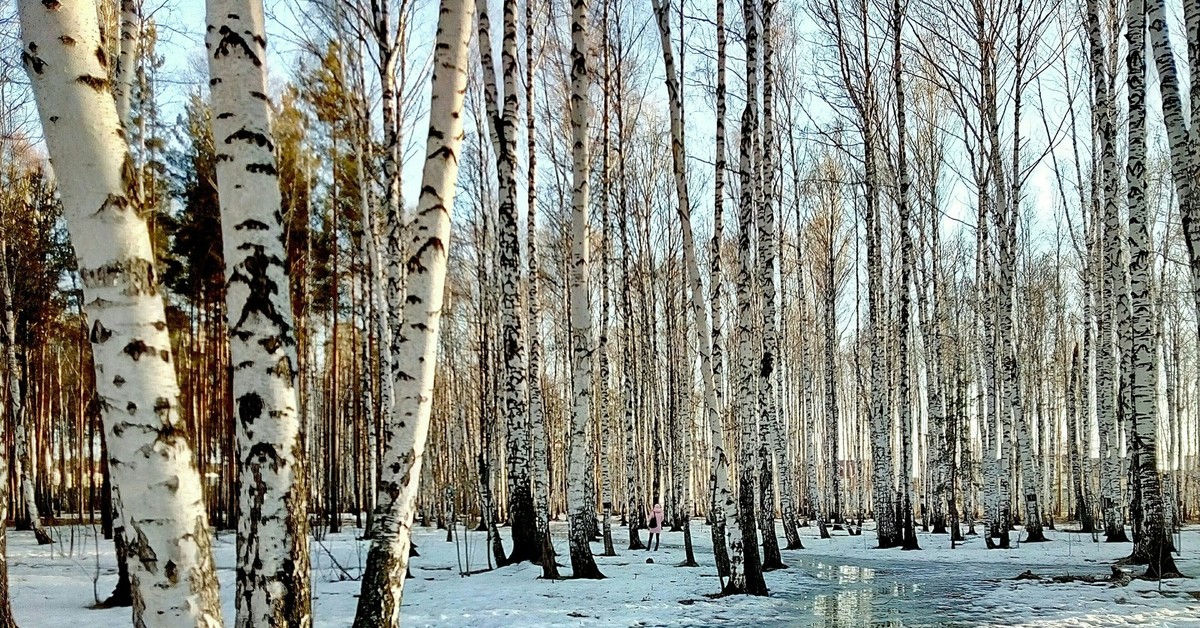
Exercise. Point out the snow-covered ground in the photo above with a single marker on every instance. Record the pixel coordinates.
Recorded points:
(841, 581)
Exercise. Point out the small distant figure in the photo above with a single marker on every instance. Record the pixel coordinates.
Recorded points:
(655, 527)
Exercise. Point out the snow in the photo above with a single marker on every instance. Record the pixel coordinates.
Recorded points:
(840, 581)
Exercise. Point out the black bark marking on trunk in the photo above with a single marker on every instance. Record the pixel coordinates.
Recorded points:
(102, 57)
(95, 82)
(254, 273)
(67, 40)
(139, 547)
(230, 40)
(264, 454)
(30, 59)
(251, 224)
(100, 334)
(251, 137)
(250, 407)
(265, 168)
(135, 275)
(136, 349)
(283, 369)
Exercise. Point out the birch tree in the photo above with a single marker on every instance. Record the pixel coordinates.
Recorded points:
(173, 574)
(1106, 362)
(1155, 540)
(747, 577)
(273, 571)
(724, 506)
(578, 499)
(407, 427)
(502, 126)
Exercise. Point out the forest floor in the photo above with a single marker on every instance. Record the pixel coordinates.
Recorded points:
(841, 581)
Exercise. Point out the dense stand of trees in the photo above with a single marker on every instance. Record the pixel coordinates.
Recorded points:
(936, 275)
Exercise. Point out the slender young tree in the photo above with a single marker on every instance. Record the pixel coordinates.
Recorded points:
(17, 411)
(720, 502)
(407, 427)
(774, 446)
(174, 578)
(582, 514)
(904, 392)
(273, 561)
(14, 401)
(540, 451)
(712, 411)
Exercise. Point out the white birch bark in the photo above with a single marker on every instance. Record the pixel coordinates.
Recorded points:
(1155, 541)
(539, 464)
(1183, 136)
(18, 417)
(721, 502)
(578, 500)
(1106, 360)
(724, 504)
(905, 299)
(745, 564)
(171, 567)
(502, 126)
(768, 264)
(407, 426)
(126, 58)
(272, 568)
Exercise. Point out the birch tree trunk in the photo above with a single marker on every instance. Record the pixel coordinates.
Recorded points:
(502, 125)
(724, 505)
(175, 581)
(127, 57)
(768, 262)
(15, 408)
(745, 565)
(1110, 482)
(273, 575)
(720, 501)
(1155, 540)
(1080, 483)
(539, 464)
(579, 501)
(407, 426)
(1182, 137)
(908, 530)
(18, 417)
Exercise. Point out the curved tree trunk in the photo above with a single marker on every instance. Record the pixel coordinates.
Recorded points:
(407, 425)
(135, 377)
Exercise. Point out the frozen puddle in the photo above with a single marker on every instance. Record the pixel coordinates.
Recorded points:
(827, 591)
